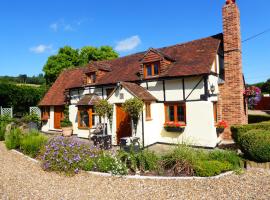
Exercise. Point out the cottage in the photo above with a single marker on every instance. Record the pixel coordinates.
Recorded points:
(194, 84)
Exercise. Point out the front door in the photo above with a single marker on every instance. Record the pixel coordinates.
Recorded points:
(123, 123)
(58, 116)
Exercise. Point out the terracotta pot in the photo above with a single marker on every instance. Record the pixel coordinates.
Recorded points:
(67, 131)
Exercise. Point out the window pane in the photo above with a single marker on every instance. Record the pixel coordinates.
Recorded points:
(156, 66)
(170, 112)
(180, 113)
(149, 70)
(84, 118)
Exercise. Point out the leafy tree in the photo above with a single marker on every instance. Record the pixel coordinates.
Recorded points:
(68, 57)
(134, 108)
(266, 87)
(104, 109)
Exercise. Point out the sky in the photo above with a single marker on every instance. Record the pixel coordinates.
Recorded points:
(32, 30)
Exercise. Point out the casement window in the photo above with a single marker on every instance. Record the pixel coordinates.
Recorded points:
(151, 69)
(175, 112)
(215, 111)
(45, 112)
(86, 117)
(148, 111)
(91, 78)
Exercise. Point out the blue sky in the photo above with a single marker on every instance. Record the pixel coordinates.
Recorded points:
(33, 30)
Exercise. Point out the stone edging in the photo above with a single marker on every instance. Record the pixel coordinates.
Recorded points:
(138, 176)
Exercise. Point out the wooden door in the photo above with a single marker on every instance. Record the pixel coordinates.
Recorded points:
(123, 123)
(58, 116)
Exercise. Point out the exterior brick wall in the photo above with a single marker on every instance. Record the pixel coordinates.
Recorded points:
(232, 107)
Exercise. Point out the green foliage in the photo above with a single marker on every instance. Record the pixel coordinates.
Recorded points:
(33, 117)
(20, 97)
(68, 57)
(258, 118)
(88, 164)
(226, 156)
(2, 130)
(23, 79)
(13, 138)
(108, 163)
(32, 142)
(239, 130)
(66, 122)
(206, 168)
(266, 87)
(104, 109)
(255, 144)
(134, 108)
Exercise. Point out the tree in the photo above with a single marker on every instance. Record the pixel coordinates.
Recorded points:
(22, 78)
(134, 108)
(104, 109)
(67, 57)
(266, 87)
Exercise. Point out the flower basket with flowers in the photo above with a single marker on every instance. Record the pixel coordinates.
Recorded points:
(174, 127)
(221, 125)
(45, 118)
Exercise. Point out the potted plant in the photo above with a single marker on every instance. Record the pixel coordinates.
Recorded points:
(45, 118)
(174, 127)
(221, 125)
(66, 124)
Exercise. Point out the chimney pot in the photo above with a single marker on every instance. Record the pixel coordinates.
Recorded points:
(230, 1)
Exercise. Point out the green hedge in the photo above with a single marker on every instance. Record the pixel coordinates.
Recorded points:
(253, 140)
(258, 118)
(208, 168)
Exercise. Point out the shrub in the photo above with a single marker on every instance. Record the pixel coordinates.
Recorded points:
(108, 163)
(13, 138)
(66, 155)
(2, 130)
(238, 131)
(88, 164)
(255, 144)
(206, 168)
(226, 156)
(258, 118)
(33, 117)
(147, 160)
(32, 142)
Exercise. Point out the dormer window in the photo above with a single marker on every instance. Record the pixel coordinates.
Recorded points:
(91, 78)
(151, 69)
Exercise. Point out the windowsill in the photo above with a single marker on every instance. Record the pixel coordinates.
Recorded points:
(86, 128)
(155, 76)
(148, 119)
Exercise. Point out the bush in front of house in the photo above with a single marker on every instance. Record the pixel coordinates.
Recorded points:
(32, 142)
(252, 119)
(139, 161)
(13, 138)
(206, 168)
(255, 144)
(2, 131)
(253, 140)
(67, 155)
(184, 160)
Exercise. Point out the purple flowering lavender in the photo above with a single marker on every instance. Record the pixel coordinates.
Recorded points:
(66, 155)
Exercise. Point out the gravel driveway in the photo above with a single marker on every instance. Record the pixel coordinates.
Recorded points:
(21, 178)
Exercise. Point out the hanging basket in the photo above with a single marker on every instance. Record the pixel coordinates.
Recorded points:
(219, 130)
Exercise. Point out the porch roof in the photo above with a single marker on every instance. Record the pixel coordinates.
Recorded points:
(138, 91)
(88, 100)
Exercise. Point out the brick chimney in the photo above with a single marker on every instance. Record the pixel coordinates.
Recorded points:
(233, 108)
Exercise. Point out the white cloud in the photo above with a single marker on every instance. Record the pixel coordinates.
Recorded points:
(41, 48)
(54, 26)
(62, 25)
(68, 27)
(128, 43)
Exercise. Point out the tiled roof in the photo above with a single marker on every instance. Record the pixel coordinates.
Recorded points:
(138, 91)
(68, 78)
(88, 100)
(191, 58)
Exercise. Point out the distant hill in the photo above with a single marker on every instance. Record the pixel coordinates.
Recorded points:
(24, 79)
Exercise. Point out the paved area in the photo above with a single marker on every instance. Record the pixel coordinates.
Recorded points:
(21, 178)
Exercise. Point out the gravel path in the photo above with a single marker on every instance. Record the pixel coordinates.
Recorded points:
(21, 178)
